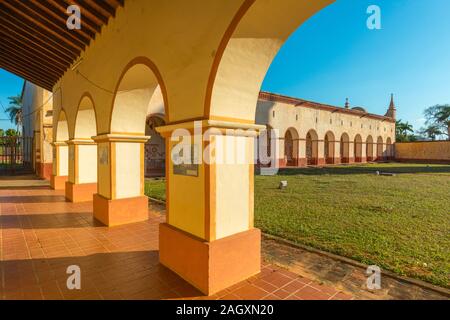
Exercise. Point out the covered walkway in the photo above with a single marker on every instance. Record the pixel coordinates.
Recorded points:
(41, 235)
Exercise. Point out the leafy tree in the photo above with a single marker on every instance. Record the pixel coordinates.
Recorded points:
(15, 110)
(403, 131)
(438, 119)
(431, 132)
(2, 132)
(12, 133)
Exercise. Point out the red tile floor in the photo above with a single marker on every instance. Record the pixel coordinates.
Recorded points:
(41, 235)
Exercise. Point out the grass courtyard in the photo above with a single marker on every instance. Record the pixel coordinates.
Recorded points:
(400, 223)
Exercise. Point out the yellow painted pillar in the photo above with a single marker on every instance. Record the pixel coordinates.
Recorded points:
(60, 165)
(209, 238)
(82, 184)
(120, 198)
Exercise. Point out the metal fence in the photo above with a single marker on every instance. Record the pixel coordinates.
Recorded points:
(15, 154)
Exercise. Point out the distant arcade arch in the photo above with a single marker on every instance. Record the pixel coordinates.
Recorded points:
(291, 138)
(312, 147)
(155, 147)
(369, 148)
(329, 143)
(358, 148)
(380, 151)
(344, 148)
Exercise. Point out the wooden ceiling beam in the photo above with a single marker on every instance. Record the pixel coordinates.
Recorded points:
(60, 20)
(28, 34)
(32, 51)
(36, 68)
(15, 51)
(61, 7)
(87, 11)
(20, 9)
(37, 45)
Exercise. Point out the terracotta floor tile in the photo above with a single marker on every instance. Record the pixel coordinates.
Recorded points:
(43, 235)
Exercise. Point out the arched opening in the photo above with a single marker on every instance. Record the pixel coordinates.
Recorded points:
(82, 181)
(291, 139)
(155, 148)
(86, 121)
(60, 153)
(62, 128)
(134, 94)
(389, 149)
(369, 148)
(358, 148)
(380, 151)
(329, 143)
(121, 153)
(312, 148)
(344, 148)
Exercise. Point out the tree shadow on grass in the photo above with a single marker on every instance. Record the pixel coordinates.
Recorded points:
(346, 170)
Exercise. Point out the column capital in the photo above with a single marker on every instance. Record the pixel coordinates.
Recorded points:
(81, 142)
(111, 137)
(59, 143)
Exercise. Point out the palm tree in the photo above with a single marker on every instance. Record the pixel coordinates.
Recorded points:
(439, 116)
(402, 129)
(15, 110)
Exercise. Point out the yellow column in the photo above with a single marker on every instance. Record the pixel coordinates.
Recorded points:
(209, 238)
(60, 165)
(82, 184)
(120, 198)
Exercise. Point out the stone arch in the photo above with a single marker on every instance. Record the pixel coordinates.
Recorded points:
(137, 86)
(246, 52)
(369, 148)
(291, 139)
(389, 149)
(62, 127)
(60, 153)
(380, 147)
(312, 149)
(357, 145)
(345, 148)
(86, 119)
(329, 147)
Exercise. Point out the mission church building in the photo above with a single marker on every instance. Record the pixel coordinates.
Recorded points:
(312, 133)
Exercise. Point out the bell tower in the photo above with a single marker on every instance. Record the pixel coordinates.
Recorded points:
(392, 111)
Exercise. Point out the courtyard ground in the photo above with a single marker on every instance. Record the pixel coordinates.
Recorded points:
(400, 223)
(41, 235)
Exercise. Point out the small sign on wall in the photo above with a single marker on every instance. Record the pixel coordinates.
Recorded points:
(185, 164)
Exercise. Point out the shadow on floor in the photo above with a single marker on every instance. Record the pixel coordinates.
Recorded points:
(32, 199)
(124, 275)
(49, 221)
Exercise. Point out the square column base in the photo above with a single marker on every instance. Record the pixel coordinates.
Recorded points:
(80, 192)
(58, 182)
(120, 211)
(210, 266)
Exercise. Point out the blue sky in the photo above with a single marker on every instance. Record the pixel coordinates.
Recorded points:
(334, 56)
(10, 85)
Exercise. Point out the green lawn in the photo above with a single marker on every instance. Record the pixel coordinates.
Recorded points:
(399, 223)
